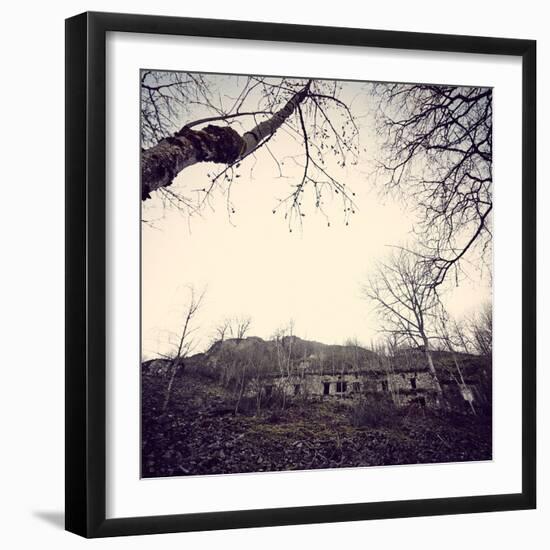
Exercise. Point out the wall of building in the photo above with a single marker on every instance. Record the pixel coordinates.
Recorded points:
(404, 388)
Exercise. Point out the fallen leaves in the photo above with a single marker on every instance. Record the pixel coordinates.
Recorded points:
(200, 435)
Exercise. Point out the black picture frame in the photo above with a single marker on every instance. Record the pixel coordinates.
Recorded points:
(86, 274)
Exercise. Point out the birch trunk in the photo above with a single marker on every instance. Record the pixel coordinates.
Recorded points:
(161, 163)
(176, 367)
(431, 366)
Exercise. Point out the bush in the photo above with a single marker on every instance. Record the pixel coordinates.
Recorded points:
(275, 400)
(247, 405)
(375, 413)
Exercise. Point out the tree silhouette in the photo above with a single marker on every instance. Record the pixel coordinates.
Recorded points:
(408, 305)
(184, 343)
(241, 116)
(437, 149)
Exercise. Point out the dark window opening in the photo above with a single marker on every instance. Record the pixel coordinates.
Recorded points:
(413, 383)
(419, 401)
(326, 388)
(341, 387)
(384, 385)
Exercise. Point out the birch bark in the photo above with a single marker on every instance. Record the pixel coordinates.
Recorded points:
(161, 163)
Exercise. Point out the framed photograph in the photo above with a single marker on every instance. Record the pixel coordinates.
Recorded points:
(300, 274)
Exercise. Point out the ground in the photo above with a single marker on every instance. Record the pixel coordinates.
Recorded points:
(200, 434)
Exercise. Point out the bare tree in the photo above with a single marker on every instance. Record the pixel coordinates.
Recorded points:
(449, 345)
(222, 330)
(185, 343)
(250, 369)
(459, 335)
(352, 354)
(284, 348)
(259, 368)
(242, 368)
(481, 327)
(242, 116)
(386, 351)
(407, 303)
(164, 96)
(232, 327)
(223, 359)
(471, 334)
(438, 153)
(239, 327)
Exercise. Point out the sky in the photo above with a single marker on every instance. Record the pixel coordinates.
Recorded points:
(250, 264)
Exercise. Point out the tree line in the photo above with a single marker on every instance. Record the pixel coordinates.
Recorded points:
(413, 323)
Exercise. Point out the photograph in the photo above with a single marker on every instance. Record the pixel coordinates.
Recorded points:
(286, 294)
(316, 273)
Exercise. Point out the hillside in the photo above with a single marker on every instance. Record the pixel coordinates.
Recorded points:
(319, 357)
(221, 418)
(201, 434)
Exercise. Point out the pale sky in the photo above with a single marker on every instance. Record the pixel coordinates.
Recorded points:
(252, 265)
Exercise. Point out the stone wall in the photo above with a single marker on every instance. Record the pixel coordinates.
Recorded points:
(412, 383)
(403, 387)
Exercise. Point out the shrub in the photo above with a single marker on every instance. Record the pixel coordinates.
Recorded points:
(247, 405)
(375, 413)
(275, 400)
